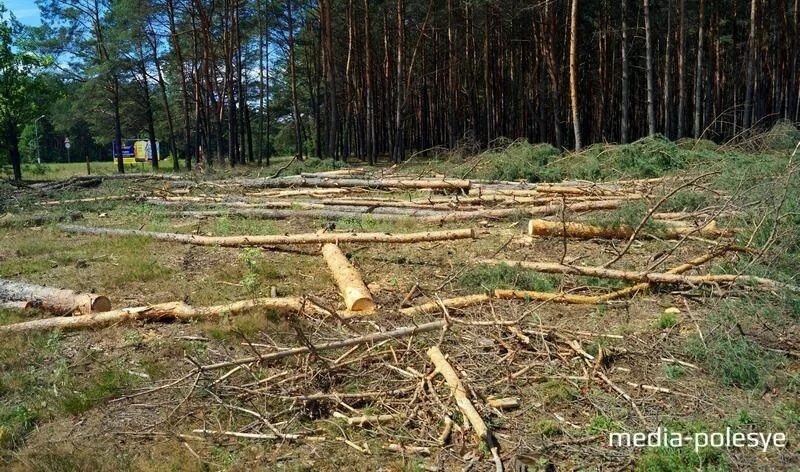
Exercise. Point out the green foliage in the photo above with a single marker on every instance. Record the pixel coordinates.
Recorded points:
(602, 424)
(733, 359)
(522, 160)
(674, 371)
(88, 393)
(647, 157)
(555, 392)
(487, 278)
(629, 214)
(670, 459)
(783, 136)
(686, 200)
(251, 258)
(666, 321)
(547, 428)
(15, 423)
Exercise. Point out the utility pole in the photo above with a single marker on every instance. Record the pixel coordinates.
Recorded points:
(36, 126)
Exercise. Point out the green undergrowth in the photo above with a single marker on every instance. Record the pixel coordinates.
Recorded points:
(487, 278)
(736, 350)
(629, 214)
(38, 383)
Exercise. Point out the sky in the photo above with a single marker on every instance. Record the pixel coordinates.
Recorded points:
(26, 11)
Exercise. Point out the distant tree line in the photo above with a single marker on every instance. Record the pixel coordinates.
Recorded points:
(239, 80)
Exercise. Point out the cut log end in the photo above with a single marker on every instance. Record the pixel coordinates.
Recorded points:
(100, 303)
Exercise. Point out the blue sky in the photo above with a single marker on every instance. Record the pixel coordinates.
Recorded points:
(26, 11)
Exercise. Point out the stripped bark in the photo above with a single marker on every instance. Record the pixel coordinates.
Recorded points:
(651, 277)
(164, 311)
(355, 293)
(538, 227)
(298, 181)
(269, 240)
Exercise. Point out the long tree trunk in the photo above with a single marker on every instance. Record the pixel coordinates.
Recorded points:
(12, 141)
(625, 99)
(681, 71)
(698, 74)
(573, 73)
(751, 69)
(176, 166)
(180, 70)
(651, 93)
(667, 82)
(370, 118)
(298, 135)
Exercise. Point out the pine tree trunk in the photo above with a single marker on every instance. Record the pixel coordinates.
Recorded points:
(573, 73)
(651, 93)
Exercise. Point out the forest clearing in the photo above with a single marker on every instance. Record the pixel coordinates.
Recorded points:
(240, 335)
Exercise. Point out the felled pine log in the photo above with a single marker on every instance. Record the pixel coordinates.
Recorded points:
(538, 227)
(54, 300)
(556, 297)
(391, 213)
(298, 181)
(645, 276)
(161, 312)
(355, 293)
(271, 240)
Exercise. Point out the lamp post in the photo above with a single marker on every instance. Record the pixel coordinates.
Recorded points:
(36, 125)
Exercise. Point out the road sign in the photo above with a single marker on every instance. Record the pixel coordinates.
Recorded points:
(67, 144)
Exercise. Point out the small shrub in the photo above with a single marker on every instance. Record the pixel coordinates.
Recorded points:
(674, 371)
(547, 428)
(554, 392)
(524, 161)
(487, 278)
(666, 321)
(602, 424)
(686, 200)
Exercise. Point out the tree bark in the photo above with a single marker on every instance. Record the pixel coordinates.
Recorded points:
(53, 300)
(651, 92)
(271, 240)
(573, 73)
(165, 311)
(355, 293)
(751, 68)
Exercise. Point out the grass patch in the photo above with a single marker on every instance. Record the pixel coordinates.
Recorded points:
(599, 282)
(555, 392)
(369, 223)
(666, 321)
(104, 386)
(674, 371)
(733, 359)
(602, 424)
(487, 278)
(547, 428)
(686, 200)
(630, 215)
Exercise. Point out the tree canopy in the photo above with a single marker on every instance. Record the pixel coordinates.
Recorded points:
(236, 81)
